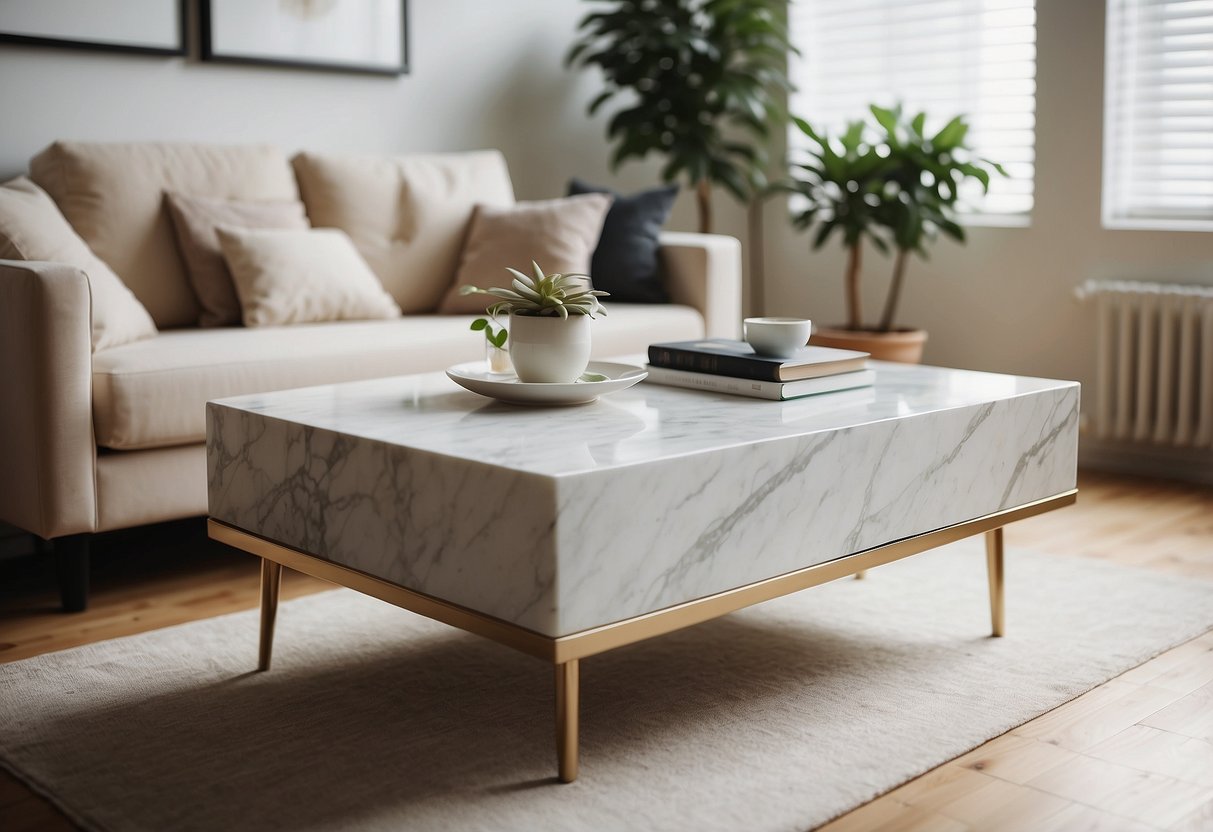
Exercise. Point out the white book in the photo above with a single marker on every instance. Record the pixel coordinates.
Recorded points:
(775, 390)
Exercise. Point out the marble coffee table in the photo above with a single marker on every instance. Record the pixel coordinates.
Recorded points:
(566, 532)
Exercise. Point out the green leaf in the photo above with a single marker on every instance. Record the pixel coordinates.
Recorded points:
(479, 324)
(599, 100)
(977, 173)
(885, 118)
(853, 135)
(530, 284)
(808, 130)
(952, 134)
(577, 51)
(823, 233)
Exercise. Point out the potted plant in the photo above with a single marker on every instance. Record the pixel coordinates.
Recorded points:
(704, 83)
(549, 323)
(892, 184)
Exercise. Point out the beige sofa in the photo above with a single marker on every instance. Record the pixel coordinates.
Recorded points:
(98, 441)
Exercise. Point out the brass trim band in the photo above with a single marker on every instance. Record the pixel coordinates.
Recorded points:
(609, 636)
(565, 652)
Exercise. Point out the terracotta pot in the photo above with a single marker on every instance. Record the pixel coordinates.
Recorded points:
(903, 345)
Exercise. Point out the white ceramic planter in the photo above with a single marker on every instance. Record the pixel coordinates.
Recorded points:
(549, 350)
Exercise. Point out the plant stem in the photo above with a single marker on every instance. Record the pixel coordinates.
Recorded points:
(757, 252)
(890, 305)
(854, 302)
(703, 196)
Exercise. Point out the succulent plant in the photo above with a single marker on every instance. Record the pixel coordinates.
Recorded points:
(543, 295)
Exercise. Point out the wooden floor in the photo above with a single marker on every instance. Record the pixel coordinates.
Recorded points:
(1135, 753)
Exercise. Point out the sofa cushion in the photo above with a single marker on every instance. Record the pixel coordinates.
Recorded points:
(557, 234)
(152, 393)
(299, 277)
(625, 261)
(196, 220)
(113, 195)
(31, 228)
(407, 214)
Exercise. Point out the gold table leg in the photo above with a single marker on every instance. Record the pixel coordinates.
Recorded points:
(271, 578)
(994, 565)
(568, 680)
(861, 574)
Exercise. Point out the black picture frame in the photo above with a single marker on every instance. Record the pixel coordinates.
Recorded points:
(209, 53)
(178, 51)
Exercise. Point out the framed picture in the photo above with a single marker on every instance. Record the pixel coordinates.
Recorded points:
(367, 36)
(149, 27)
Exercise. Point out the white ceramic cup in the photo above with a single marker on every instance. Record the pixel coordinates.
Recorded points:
(777, 337)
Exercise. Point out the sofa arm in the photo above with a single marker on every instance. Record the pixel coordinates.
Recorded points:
(46, 425)
(704, 271)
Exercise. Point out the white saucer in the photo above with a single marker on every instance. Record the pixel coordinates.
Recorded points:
(507, 388)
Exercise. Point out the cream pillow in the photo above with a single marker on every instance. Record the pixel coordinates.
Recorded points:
(32, 228)
(195, 219)
(558, 234)
(407, 215)
(295, 277)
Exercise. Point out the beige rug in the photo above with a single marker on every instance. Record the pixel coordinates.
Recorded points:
(775, 718)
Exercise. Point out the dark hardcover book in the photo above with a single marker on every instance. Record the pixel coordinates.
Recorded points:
(725, 357)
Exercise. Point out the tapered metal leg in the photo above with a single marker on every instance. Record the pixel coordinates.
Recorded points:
(271, 578)
(995, 566)
(861, 574)
(568, 695)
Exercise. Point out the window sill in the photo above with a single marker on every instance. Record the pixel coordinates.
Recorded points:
(1156, 225)
(996, 220)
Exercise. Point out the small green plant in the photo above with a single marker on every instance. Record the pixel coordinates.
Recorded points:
(543, 295)
(497, 339)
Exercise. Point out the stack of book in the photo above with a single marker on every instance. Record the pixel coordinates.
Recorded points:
(724, 366)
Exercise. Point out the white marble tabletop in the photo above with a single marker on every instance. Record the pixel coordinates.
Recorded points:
(561, 519)
(645, 423)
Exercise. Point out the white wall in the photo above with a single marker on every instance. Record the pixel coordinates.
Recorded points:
(1004, 302)
(483, 74)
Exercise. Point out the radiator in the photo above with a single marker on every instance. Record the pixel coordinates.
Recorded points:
(1154, 380)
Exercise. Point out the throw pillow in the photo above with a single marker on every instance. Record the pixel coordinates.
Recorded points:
(294, 277)
(625, 262)
(558, 234)
(407, 215)
(32, 228)
(195, 219)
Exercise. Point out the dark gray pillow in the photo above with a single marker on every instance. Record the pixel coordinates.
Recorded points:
(625, 262)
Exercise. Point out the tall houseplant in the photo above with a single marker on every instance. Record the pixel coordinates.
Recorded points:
(885, 181)
(702, 83)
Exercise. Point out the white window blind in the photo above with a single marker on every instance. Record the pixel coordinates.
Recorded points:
(1158, 114)
(942, 57)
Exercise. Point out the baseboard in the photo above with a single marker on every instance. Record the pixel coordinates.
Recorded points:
(1147, 460)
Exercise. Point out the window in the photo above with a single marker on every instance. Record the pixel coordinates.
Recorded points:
(1158, 115)
(942, 57)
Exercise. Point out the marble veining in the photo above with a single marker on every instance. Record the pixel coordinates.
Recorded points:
(567, 518)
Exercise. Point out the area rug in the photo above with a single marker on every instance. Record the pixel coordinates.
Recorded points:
(779, 717)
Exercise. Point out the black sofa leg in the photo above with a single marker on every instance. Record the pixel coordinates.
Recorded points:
(71, 563)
